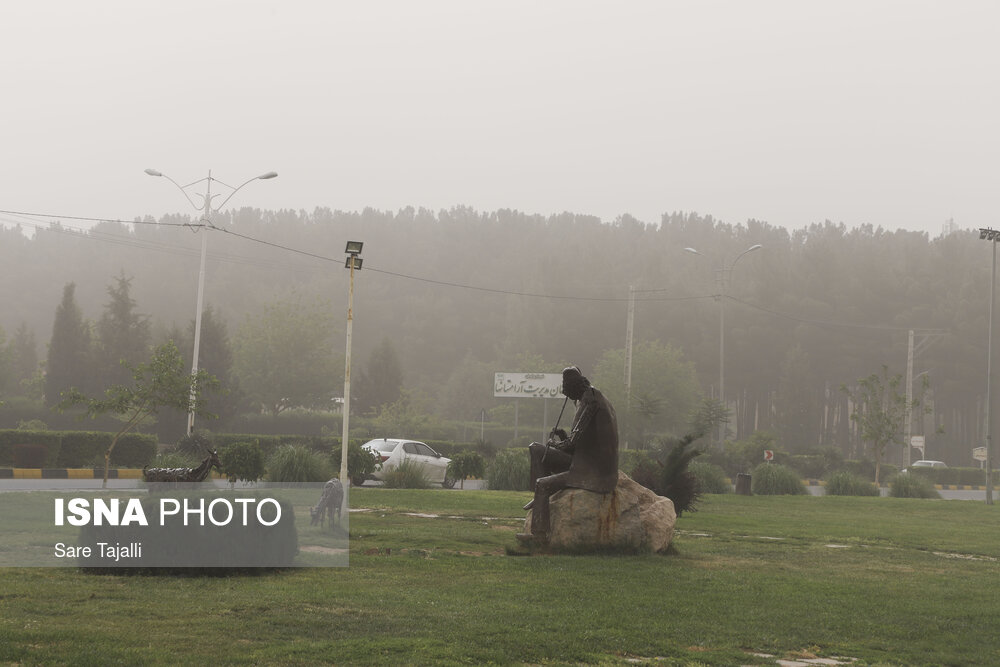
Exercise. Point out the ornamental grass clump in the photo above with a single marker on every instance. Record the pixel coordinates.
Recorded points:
(774, 479)
(295, 463)
(906, 485)
(510, 471)
(711, 478)
(407, 475)
(846, 483)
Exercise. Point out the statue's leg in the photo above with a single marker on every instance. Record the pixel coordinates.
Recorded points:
(545, 463)
(544, 488)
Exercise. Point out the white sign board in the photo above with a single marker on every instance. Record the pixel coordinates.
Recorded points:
(527, 385)
(917, 442)
(979, 453)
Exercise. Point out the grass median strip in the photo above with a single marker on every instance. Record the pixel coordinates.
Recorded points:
(908, 584)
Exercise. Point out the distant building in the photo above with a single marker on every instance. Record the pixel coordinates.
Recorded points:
(949, 227)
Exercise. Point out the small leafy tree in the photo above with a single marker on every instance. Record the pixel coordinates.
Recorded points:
(162, 382)
(880, 410)
(466, 464)
(243, 460)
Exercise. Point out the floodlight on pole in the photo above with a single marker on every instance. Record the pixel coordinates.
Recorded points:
(353, 263)
(991, 235)
(206, 220)
(725, 274)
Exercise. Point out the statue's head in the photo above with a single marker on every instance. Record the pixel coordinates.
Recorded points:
(574, 384)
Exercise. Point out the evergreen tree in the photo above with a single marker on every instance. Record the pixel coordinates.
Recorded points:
(284, 357)
(24, 355)
(69, 361)
(215, 355)
(382, 382)
(122, 334)
(6, 379)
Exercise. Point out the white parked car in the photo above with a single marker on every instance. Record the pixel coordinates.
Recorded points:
(393, 451)
(926, 464)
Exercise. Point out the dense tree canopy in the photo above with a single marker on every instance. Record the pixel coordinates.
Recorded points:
(459, 293)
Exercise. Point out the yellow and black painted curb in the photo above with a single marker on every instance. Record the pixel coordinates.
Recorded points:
(74, 473)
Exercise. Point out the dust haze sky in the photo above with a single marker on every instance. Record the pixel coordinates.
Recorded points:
(789, 111)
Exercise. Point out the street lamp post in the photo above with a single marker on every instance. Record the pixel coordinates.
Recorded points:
(354, 261)
(992, 236)
(206, 220)
(724, 275)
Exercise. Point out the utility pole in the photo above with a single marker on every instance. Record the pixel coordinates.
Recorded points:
(908, 425)
(629, 328)
(989, 380)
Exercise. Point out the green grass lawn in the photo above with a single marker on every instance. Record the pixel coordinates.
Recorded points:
(886, 581)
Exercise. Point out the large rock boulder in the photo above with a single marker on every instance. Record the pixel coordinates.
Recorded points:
(631, 517)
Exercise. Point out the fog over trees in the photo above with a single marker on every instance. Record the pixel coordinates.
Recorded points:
(447, 298)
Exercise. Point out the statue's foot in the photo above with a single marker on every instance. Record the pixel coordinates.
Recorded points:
(531, 503)
(530, 539)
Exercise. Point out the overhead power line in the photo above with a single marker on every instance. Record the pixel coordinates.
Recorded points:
(78, 217)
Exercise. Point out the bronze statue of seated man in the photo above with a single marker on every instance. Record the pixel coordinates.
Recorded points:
(586, 458)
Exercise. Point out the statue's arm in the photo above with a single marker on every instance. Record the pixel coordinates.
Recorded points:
(586, 415)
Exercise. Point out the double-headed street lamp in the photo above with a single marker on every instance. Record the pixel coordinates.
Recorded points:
(724, 275)
(991, 235)
(354, 261)
(206, 220)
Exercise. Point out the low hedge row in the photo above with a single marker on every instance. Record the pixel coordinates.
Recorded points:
(319, 443)
(963, 476)
(73, 449)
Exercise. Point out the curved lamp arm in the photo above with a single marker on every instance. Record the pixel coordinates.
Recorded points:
(153, 172)
(262, 177)
(748, 250)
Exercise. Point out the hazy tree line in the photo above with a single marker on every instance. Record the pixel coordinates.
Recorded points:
(446, 299)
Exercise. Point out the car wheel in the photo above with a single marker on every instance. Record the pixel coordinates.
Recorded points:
(448, 483)
(357, 481)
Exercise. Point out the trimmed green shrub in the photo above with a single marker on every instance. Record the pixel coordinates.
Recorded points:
(711, 478)
(407, 475)
(243, 461)
(510, 471)
(30, 456)
(361, 463)
(9, 439)
(846, 483)
(905, 485)
(466, 464)
(86, 448)
(774, 479)
(294, 463)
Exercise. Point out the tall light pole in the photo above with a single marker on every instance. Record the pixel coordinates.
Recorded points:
(990, 235)
(629, 330)
(206, 220)
(725, 274)
(354, 261)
